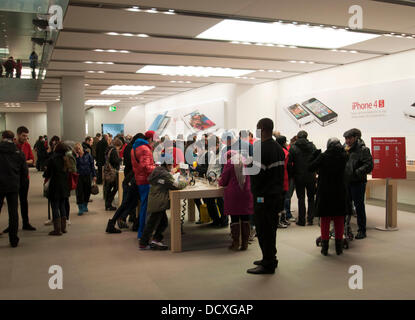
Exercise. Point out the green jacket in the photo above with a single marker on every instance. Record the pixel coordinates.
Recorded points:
(161, 182)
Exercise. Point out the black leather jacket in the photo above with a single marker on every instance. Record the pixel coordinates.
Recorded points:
(359, 164)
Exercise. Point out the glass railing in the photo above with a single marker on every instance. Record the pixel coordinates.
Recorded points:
(31, 6)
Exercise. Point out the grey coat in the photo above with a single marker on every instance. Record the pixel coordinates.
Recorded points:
(161, 182)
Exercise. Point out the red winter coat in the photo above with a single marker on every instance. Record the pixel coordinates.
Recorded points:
(286, 180)
(142, 161)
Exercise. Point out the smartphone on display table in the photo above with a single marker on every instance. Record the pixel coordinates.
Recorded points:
(299, 114)
(323, 114)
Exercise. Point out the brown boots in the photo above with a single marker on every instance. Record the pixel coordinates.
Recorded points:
(246, 231)
(63, 224)
(237, 230)
(57, 225)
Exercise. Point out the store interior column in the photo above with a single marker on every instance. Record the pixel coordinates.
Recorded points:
(73, 108)
(53, 122)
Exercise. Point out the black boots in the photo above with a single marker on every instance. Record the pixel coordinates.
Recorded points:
(63, 224)
(235, 233)
(324, 247)
(111, 227)
(339, 246)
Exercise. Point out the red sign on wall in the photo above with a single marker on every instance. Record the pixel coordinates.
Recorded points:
(389, 158)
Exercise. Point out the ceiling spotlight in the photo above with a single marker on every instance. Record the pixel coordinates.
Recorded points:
(142, 35)
(113, 33)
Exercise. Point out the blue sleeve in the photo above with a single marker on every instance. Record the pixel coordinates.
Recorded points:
(91, 163)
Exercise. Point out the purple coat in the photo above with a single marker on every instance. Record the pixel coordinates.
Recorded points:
(237, 201)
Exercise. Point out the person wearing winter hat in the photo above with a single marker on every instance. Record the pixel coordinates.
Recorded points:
(143, 165)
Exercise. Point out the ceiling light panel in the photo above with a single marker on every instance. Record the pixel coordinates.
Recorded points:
(126, 90)
(100, 102)
(189, 71)
(284, 33)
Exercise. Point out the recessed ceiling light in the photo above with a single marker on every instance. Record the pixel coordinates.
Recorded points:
(193, 71)
(124, 51)
(126, 90)
(99, 50)
(113, 33)
(153, 10)
(142, 35)
(100, 102)
(134, 9)
(288, 34)
(127, 34)
(86, 85)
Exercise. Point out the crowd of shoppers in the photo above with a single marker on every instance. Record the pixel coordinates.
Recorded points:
(334, 182)
(13, 68)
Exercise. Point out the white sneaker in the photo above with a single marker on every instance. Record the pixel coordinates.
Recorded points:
(292, 219)
(68, 222)
(48, 223)
(154, 245)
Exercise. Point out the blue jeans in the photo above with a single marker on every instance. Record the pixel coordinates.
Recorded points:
(357, 192)
(144, 190)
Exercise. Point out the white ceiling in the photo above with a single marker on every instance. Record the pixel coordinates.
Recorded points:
(172, 42)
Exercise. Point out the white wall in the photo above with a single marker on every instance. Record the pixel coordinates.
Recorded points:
(35, 122)
(244, 104)
(198, 96)
(133, 119)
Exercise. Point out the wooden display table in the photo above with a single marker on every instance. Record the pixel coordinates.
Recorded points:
(200, 190)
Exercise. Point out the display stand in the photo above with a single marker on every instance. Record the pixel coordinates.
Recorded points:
(391, 207)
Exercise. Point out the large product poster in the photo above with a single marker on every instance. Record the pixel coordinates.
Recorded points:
(383, 109)
(206, 117)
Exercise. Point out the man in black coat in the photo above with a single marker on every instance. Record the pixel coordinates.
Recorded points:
(267, 190)
(359, 165)
(102, 146)
(13, 172)
(41, 153)
(299, 158)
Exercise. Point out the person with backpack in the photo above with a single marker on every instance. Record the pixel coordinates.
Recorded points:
(9, 66)
(57, 174)
(111, 167)
(86, 170)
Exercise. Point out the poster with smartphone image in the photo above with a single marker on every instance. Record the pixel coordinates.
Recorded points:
(299, 114)
(384, 109)
(322, 114)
